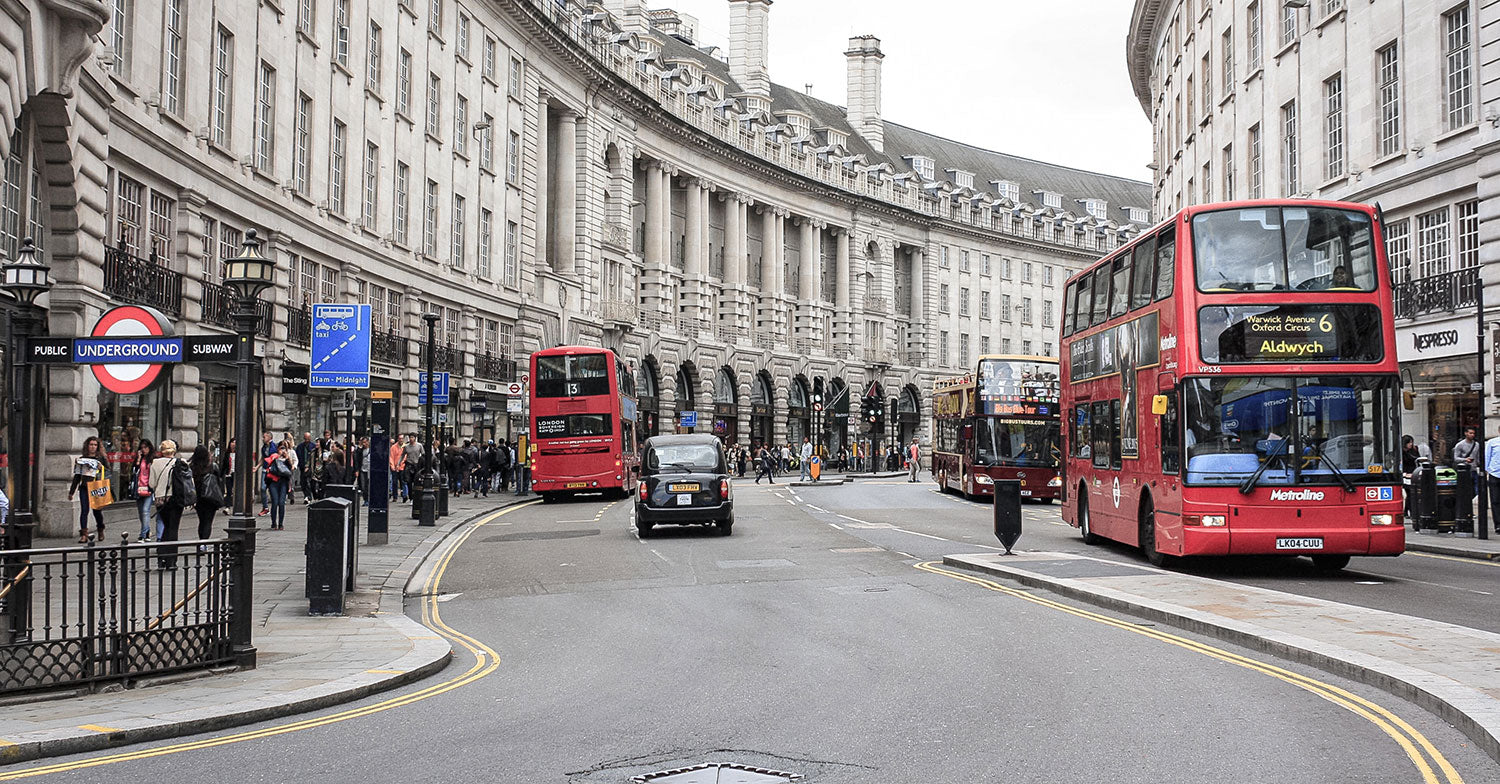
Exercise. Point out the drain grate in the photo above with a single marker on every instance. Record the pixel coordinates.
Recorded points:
(717, 773)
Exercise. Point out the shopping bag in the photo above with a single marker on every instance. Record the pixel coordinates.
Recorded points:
(100, 495)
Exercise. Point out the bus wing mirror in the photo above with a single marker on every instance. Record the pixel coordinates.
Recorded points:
(1159, 404)
(1408, 400)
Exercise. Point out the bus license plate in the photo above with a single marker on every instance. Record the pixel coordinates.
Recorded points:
(572, 485)
(1025, 492)
(1299, 543)
(685, 487)
(686, 499)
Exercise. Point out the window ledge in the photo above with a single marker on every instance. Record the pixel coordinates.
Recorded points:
(436, 36)
(1399, 155)
(1459, 131)
(487, 170)
(371, 92)
(174, 119)
(404, 117)
(1228, 98)
(464, 156)
(1253, 75)
(307, 38)
(463, 58)
(513, 97)
(1287, 48)
(404, 5)
(1334, 182)
(343, 69)
(512, 184)
(491, 79)
(432, 137)
(1328, 20)
(1207, 118)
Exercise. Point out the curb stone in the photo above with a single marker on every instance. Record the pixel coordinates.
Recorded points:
(1471, 711)
(429, 655)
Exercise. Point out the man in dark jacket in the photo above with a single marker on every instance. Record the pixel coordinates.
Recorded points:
(306, 451)
(502, 464)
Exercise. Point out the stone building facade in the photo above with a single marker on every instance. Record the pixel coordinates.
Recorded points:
(536, 172)
(1391, 102)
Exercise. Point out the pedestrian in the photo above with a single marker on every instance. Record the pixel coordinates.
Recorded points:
(805, 459)
(278, 470)
(87, 469)
(267, 449)
(226, 468)
(291, 458)
(397, 463)
(503, 460)
(335, 469)
(145, 507)
(210, 489)
(1466, 455)
(364, 469)
(741, 459)
(764, 465)
(913, 460)
(305, 454)
(168, 507)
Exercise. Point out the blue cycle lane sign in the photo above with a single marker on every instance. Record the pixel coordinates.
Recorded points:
(440, 393)
(340, 347)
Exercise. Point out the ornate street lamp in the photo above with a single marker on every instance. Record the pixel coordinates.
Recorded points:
(26, 278)
(247, 275)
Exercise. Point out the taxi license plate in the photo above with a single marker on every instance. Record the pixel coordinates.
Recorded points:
(685, 487)
(1305, 543)
(572, 485)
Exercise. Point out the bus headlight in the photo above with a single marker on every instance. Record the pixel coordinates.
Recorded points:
(1209, 520)
(1382, 519)
(983, 479)
(1055, 481)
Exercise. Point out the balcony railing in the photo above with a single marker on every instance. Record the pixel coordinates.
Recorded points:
(389, 348)
(688, 326)
(142, 281)
(494, 368)
(1442, 293)
(299, 326)
(448, 359)
(218, 308)
(620, 310)
(654, 323)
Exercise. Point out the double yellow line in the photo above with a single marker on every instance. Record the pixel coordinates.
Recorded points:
(1417, 747)
(486, 661)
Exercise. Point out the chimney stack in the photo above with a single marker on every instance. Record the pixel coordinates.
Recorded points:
(748, 44)
(629, 13)
(864, 89)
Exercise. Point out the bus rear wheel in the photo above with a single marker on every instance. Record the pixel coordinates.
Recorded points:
(1330, 563)
(1148, 534)
(1089, 537)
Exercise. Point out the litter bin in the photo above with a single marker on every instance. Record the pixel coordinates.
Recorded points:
(328, 531)
(1447, 499)
(1423, 496)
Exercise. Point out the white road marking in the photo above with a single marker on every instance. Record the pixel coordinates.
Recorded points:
(929, 536)
(659, 555)
(908, 555)
(816, 508)
(836, 526)
(852, 519)
(790, 501)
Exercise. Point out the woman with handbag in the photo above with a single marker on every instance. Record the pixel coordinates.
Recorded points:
(278, 479)
(88, 473)
(144, 501)
(210, 490)
(168, 508)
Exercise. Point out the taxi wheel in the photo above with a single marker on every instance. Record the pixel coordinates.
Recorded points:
(643, 529)
(726, 526)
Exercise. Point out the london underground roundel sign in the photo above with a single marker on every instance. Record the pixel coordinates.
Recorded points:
(130, 321)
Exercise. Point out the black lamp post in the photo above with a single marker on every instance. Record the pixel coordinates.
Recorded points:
(247, 275)
(26, 279)
(429, 458)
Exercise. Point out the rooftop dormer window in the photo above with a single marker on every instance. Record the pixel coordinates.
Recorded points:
(961, 178)
(1098, 208)
(836, 138)
(1008, 190)
(924, 166)
(1050, 199)
(1138, 215)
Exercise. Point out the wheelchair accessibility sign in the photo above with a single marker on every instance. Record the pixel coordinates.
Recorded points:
(1380, 493)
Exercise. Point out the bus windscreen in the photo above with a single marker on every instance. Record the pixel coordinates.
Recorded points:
(572, 375)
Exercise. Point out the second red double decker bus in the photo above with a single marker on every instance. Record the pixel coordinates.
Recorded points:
(1001, 423)
(1231, 387)
(583, 422)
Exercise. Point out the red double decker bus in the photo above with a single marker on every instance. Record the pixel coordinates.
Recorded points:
(1002, 422)
(1232, 387)
(583, 423)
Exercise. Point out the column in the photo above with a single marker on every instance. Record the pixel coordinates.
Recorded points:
(843, 319)
(565, 198)
(543, 183)
(916, 334)
(693, 249)
(734, 268)
(770, 275)
(651, 278)
(808, 267)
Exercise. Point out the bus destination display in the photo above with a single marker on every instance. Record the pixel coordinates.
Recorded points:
(1290, 333)
(1011, 388)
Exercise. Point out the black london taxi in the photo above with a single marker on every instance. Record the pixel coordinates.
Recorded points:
(684, 481)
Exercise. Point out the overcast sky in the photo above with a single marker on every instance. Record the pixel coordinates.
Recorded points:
(1043, 80)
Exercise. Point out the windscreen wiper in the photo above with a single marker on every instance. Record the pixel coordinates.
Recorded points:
(1343, 480)
(1250, 481)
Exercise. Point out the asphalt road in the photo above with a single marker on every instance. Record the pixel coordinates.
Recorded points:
(1454, 590)
(808, 642)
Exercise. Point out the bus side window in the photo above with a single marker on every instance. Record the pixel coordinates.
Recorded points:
(1082, 442)
(1166, 263)
(1114, 434)
(1099, 415)
(1084, 302)
(1171, 434)
(1144, 285)
(1070, 300)
(1119, 299)
(1101, 295)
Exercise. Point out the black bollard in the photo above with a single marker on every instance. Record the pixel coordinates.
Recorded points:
(1008, 512)
(327, 547)
(426, 505)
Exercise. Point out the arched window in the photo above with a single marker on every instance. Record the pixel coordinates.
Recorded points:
(686, 400)
(798, 395)
(724, 387)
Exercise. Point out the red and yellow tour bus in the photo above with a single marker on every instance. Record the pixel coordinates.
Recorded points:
(1232, 387)
(583, 422)
(1002, 422)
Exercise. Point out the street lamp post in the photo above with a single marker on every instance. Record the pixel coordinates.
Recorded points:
(429, 459)
(247, 275)
(26, 279)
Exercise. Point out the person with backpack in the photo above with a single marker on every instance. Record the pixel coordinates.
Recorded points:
(210, 488)
(88, 469)
(503, 464)
(278, 478)
(172, 489)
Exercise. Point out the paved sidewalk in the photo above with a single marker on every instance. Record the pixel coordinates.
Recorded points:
(1449, 670)
(1454, 545)
(303, 662)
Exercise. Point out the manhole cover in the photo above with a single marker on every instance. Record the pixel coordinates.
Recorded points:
(538, 535)
(717, 773)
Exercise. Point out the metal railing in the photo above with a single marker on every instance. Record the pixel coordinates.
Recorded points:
(299, 326)
(687, 326)
(219, 304)
(494, 368)
(1442, 293)
(389, 348)
(142, 281)
(115, 612)
(448, 359)
(654, 322)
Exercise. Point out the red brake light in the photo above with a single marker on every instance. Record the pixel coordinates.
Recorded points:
(724, 489)
(644, 494)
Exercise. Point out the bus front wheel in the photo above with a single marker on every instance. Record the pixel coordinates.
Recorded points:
(1089, 537)
(1148, 534)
